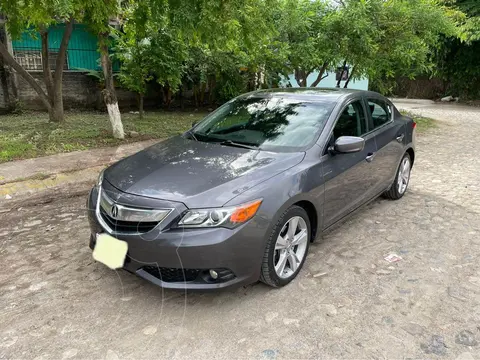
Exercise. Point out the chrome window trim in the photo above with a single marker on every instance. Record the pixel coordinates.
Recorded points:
(126, 213)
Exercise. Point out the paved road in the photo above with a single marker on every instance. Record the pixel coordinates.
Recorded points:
(348, 302)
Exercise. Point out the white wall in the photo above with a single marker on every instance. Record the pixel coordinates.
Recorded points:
(329, 82)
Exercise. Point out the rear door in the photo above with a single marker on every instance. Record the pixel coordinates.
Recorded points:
(349, 179)
(390, 140)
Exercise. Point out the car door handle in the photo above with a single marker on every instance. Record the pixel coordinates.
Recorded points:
(370, 157)
(400, 137)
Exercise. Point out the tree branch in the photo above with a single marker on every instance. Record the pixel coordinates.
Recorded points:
(8, 59)
(320, 76)
(341, 74)
(349, 78)
(47, 73)
(62, 52)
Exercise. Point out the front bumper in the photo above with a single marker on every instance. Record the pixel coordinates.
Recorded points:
(181, 258)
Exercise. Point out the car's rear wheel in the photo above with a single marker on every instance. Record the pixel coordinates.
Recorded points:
(286, 248)
(402, 179)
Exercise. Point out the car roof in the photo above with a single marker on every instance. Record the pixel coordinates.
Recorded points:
(313, 94)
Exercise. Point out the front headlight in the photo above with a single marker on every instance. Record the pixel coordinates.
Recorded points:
(228, 217)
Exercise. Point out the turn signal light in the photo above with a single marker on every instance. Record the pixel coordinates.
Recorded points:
(245, 212)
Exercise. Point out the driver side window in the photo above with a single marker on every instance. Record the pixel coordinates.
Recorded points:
(351, 122)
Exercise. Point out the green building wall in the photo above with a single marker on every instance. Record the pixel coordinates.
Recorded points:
(82, 48)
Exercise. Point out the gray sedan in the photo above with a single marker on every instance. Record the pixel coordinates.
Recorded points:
(240, 196)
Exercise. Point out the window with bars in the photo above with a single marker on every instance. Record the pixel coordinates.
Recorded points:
(32, 59)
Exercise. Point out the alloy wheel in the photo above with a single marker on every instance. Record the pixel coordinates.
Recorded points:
(290, 247)
(403, 175)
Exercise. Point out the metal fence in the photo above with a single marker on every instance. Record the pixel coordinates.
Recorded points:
(76, 59)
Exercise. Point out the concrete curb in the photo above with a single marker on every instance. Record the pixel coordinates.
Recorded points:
(21, 170)
(35, 192)
(42, 180)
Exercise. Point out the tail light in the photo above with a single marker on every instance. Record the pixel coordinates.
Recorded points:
(414, 125)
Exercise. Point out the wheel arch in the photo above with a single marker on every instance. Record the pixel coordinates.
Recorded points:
(411, 153)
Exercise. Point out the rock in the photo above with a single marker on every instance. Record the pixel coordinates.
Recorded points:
(331, 310)
(133, 134)
(269, 354)
(382, 272)
(287, 321)
(436, 346)
(8, 196)
(32, 223)
(456, 293)
(111, 355)
(447, 99)
(414, 329)
(270, 316)
(466, 338)
(69, 353)
(465, 356)
(149, 330)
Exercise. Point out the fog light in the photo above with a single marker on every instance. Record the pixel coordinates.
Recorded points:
(213, 274)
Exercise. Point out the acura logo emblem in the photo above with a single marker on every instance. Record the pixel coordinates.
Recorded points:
(114, 211)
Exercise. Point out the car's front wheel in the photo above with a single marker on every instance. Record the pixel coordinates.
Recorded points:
(287, 248)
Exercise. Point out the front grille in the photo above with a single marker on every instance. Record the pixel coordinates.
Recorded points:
(126, 226)
(172, 274)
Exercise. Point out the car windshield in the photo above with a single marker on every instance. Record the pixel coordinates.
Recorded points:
(275, 124)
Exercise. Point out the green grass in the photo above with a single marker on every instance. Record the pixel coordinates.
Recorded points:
(423, 123)
(31, 135)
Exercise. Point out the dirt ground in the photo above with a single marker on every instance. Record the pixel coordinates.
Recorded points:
(348, 302)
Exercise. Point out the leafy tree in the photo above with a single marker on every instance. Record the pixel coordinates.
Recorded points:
(305, 27)
(38, 16)
(392, 38)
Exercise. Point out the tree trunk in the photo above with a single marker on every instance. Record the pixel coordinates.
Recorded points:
(203, 87)
(195, 95)
(301, 77)
(57, 114)
(320, 76)
(211, 90)
(341, 74)
(47, 73)
(109, 94)
(4, 73)
(349, 78)
(167, 96)
(140, 105)
(9, 60)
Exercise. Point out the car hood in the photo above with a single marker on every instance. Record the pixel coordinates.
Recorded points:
(196, 173)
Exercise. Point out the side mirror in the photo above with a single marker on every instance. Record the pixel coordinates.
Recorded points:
(194, 123)
(349, 144)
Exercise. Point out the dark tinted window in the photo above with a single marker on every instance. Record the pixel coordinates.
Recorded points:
(351, 122)
(277, 124)
(380, 111)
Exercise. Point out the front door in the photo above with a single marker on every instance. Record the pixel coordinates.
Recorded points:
(349, 178)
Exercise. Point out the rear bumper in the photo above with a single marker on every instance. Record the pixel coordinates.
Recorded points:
(182, 258)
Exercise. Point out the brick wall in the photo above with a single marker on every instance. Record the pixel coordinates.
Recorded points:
(80, 92)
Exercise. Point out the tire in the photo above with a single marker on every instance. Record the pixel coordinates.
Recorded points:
(397, 191)
(280, 238)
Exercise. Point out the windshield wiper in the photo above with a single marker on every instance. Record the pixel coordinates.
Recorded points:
(237, 144)
(192, 135)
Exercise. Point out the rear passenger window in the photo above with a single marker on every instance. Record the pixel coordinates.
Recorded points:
(351, 122)
(380, 111)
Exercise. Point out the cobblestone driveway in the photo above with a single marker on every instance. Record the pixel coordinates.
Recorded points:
(348, 302)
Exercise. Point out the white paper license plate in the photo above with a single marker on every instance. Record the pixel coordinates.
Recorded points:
(110, 251)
